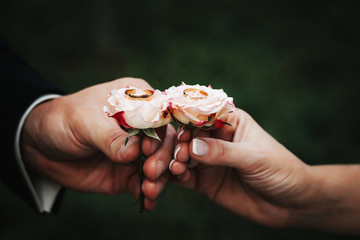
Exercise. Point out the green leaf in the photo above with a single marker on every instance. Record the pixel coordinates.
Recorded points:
(151, 133)
(132, 132)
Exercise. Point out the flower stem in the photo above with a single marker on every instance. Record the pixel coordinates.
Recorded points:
(193, 132)
(141, 161)
(193, 135)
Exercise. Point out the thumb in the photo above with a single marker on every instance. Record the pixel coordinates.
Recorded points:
(219, 152)
(110, 139)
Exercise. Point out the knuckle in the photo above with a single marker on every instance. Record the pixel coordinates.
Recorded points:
(223, 152)
(137, 82)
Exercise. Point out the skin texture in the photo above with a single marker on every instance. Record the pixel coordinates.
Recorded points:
(244, 169)
(71, 141)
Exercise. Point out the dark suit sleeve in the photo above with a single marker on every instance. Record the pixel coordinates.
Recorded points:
(21, 85)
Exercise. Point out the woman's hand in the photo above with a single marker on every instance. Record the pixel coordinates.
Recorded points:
(244, 169)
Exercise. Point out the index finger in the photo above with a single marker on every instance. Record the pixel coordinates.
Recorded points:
(158, 162)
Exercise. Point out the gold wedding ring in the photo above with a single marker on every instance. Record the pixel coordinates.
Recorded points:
(139, 94)
(195, 94)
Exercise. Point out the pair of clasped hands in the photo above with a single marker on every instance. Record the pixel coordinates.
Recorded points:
(240, 167)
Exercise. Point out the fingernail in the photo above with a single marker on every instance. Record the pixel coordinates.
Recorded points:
(171, 163)
(121, 151)
(199, 147)
(177, 149)
(159, 186)
(182, 130)
(160, 167)
(124, 148)
(152, 147)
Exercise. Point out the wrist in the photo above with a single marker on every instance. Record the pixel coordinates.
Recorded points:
(36, 135)
(333, 200)
(317, 204)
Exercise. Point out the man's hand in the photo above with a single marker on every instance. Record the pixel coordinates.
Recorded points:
(71, 141)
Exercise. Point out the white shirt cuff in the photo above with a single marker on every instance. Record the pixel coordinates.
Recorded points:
(44, 191)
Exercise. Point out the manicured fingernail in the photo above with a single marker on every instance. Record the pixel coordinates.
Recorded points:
(182, 130)
(199, 147)
(171, 163)
(160, 168)
(177, 149)
(159, 186)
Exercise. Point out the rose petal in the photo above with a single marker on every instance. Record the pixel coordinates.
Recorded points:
(188, 110)
(119, 116)
(218, 123)
(200, 123)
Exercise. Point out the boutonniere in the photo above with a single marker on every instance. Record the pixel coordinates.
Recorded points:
(139, 111)
(196, 106)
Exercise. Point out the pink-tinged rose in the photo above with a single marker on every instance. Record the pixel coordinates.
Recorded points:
(138, 108)
(198, 105)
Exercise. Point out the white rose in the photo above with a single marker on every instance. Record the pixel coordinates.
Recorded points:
(199, 105)
(139, 108)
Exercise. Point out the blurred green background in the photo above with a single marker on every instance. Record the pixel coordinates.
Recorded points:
(293, 65)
